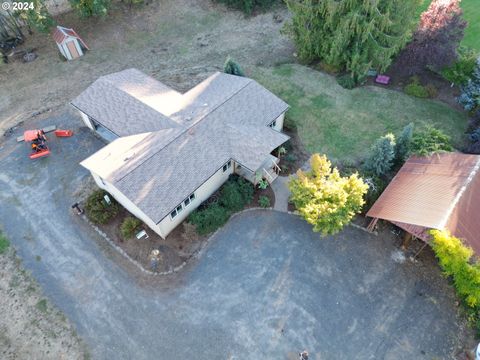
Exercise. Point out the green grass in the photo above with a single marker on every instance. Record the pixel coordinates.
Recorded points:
(344, 123)
(471, 13)
(4, 243)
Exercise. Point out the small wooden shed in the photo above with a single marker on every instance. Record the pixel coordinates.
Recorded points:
(69, 42)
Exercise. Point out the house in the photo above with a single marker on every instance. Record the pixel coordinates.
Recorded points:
(437, 192)
(167, 151)
(69, 43)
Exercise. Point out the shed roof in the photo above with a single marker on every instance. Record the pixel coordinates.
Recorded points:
(437, 192)
(60, 34)
(165, 159)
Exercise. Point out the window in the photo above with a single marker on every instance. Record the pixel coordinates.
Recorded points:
(175, 212)
(273, 124)
(227, 166)
(189, 199)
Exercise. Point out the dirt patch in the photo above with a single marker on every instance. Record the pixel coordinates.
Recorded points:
(30, 326)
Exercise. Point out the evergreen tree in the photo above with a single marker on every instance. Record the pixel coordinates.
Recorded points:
(351, 35)
(402, 148)
(470, 97)
(382, 154)
(325, 199)
(437, 38)
(232, 68)
(430, 141)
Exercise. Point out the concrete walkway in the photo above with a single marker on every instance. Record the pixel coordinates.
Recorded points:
(280, 188)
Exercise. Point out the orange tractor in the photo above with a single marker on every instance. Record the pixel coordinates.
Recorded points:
(38, 141)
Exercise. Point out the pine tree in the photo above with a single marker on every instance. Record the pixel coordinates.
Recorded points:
(353, 35)
(325, 199)
(437, 38)
(402, 148)
(382, 154)
(232, 68)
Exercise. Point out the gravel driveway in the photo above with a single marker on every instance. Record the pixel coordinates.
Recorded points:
(265, 288)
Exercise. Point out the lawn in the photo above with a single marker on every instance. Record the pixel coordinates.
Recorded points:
(471, 13)
(344, 123)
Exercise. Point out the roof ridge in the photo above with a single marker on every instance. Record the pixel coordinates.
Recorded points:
(186, 129)
(462, 191)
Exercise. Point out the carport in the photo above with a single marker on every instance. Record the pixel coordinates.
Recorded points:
(441, 191)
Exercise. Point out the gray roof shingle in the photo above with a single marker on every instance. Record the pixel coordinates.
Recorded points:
(224, 117)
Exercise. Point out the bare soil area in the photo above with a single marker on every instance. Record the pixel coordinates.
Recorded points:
(30, 326)
(179, 42)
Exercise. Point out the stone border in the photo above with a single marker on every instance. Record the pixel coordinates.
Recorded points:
(195, 255)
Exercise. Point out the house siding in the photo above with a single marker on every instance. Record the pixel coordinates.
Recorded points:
(127, 204)
(86, 120)
(279, 122)
(201, 194)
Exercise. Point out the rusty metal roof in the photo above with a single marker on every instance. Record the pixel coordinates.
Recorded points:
(437, 192)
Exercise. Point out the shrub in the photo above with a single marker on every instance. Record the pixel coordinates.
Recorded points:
(87, 8)
(470, 96)
(455, 259)
(381, 156)
(262, 184)
(129, 227)
(462, 70)
(4, 243)
(474, 142)
(209, 219)
(232, 68)
(231, 197)
(404, 141)
(430, 141)
(325, 199)
(376, 186)
(264, 201)
(415, 88)
(346, 81)
(97, 209)
(246, 189)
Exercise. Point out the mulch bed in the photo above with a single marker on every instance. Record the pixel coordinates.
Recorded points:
(399, 79)
(179, 246)
(294, 147)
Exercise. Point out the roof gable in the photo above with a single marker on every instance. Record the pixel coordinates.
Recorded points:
(224, 117)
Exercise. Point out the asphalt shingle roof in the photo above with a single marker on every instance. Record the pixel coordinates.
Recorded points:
(224, 117)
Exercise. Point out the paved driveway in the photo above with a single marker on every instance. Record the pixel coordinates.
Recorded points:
(265, 288)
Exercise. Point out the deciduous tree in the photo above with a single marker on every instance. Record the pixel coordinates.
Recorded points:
(325, 199)
(351, 35)
(437, 38)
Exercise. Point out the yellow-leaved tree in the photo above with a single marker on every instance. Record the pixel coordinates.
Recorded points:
(324, 198)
